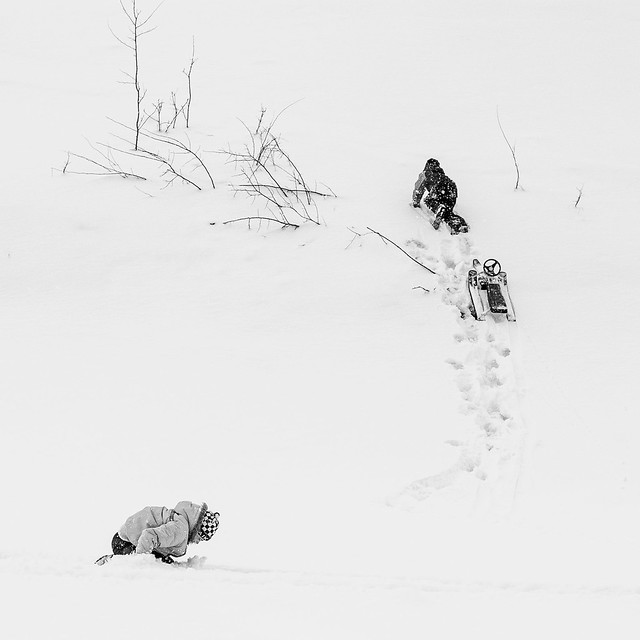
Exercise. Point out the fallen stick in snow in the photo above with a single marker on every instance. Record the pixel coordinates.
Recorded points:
(385, 239)
(250, 218)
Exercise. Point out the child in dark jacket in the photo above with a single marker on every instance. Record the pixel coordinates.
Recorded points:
(441, 195)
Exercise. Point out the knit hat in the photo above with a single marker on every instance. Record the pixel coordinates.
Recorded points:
(209, 525)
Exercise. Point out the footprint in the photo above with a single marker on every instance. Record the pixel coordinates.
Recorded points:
(423, 488)
(491, 364)
(456, 364)
(491, 380)
(464, 383)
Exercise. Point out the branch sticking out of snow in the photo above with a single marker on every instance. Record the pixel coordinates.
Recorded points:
(512, 148)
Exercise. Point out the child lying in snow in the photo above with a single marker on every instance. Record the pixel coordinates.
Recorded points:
(441, 195)
(165, 532)
(439, 188)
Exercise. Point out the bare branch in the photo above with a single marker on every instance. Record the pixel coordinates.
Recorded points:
(126, 13)
(384, 238)
(284, 223)
(165, 162)
(268, 131)
(333, 193)
(271, 176)
(185, 149)
(176, 112)
(137, 31)
(129, 46)
(157, 115)
(289, 190)
(188, 74)
(151, 14)
(108, 170)
(511, 148)
(144, 33)
(262, 112)
(297, 173)
(252, 137)
(173, 143)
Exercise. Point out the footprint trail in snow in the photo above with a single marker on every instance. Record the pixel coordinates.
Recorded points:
(484, 372)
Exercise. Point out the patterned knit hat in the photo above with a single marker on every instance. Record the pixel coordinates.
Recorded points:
(209, 525)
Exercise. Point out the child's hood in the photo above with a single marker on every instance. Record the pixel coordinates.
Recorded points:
(193, 514)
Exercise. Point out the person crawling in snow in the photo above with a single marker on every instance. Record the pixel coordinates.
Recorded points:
(164, 532)
(441, 195)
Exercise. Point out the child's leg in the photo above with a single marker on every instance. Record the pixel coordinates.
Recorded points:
(121, 547)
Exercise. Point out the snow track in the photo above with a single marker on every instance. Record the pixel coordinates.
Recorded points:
(485, 371)
(245, 575)
(143, 568)
(136, 597)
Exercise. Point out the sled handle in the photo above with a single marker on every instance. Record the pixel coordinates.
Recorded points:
(492, 267)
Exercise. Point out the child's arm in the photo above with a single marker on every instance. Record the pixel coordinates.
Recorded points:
(172, 534)
(418, 190)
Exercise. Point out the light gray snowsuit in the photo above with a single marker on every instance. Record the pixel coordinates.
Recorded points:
(167, 531)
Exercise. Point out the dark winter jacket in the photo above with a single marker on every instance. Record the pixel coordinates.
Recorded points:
(440, 189)
(426, 180)
(166, 531)
(442, 192)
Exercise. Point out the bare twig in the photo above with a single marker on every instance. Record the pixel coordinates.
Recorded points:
(158, 113)
(575, 204)
(262, 112)
(172, 142)
(169, 169)
(272, 176)
(297, 176)
(185, 149)
(384, 238)
(333, 193)
(512, 148)
(249, 218)
(289, 190)
(149, 195)
(176, 112)
(108, 170)
(136, 31)
(188, 74)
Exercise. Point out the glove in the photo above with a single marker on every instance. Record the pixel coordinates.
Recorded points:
(159, 556)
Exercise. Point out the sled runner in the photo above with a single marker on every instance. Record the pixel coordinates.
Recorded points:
(489, 291)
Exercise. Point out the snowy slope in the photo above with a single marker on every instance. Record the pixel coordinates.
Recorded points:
(382, 465)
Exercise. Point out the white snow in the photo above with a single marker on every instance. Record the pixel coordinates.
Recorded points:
(382, 466)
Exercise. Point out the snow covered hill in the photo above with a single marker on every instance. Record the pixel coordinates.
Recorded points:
(383, 466)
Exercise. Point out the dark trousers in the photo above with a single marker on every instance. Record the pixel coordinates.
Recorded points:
(121, 547)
